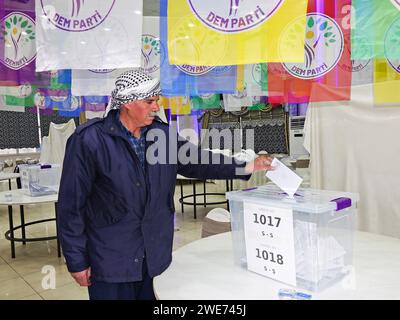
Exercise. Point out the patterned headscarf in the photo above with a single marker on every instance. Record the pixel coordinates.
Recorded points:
(134, 85)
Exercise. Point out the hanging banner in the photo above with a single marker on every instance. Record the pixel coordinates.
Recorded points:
(99, 82)
(328, 26)
(19, 96)
(387, 71)
(192, 80)
(240, 83)
(255, 78)
(56, 99)
(70, 114)
(102, 82)
(217, 33)
(258, 103)
(372, 21)
(153, 52)
(360, 70)
(94, 103)
(179, 105)
(2, 35)
(204, 102)
(387, 82)
(235, 102)
(18, 45)
(89, 34)
(42, 112)
(5, 107)
(61, 79)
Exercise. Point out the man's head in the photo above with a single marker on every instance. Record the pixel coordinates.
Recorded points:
(136, 94)
(142, 111)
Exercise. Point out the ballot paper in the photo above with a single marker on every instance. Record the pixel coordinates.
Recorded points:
(284, 178)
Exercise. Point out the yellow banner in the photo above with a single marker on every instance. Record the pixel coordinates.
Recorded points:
(240, 78)
(387, 82)
(234, 32)
(179, 105)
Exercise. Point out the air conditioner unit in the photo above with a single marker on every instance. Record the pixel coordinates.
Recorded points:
(296, 137)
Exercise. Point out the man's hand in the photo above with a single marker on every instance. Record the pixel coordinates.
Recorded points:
(82, 277)
(260, 163)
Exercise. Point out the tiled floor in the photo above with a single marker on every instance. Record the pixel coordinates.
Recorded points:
(36, 273)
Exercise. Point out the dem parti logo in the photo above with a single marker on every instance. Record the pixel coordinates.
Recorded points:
(324, 45)
(18, 34)
(392, 45)
(77, 15)
(151, 53)
(233, 15)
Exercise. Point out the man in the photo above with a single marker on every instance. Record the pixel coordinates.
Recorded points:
(116, 209)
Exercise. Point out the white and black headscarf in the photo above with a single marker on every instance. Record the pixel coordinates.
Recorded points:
(133, 85)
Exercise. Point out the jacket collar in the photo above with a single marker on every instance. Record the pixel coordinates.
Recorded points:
(112, 126)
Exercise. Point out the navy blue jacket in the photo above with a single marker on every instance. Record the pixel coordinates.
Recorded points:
(111, 212)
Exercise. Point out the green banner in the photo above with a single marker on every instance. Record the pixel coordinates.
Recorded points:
(375, 29)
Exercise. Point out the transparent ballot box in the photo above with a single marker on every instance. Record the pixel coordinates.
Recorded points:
(40, 180)
(305, 241)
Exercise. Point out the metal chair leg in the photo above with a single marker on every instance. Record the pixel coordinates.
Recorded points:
(11, 224)
(181, 199)
(22, 214)
(194, 199)
(205, 201)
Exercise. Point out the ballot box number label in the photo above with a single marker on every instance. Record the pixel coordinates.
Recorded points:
(270, 241)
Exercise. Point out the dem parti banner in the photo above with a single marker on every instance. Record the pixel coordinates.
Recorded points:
(372, 22)
(100, 82)
(18, 44)
(234, 32)
(189, 79)
(326, 54)
(88, 34)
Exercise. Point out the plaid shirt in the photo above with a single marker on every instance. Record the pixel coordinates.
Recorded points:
(138, 144)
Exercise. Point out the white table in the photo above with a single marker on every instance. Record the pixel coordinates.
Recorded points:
(204, 270)
(16, 197)
(9, 177)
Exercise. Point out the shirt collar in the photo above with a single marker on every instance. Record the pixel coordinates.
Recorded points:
(143, 130)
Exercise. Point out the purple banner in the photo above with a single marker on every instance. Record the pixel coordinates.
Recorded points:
(21, 5)
(59, 99)
(1, 33)
(94, 103)
(18, 45)
(42, 112)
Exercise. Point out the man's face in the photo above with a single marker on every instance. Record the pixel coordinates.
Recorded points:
(143, 111)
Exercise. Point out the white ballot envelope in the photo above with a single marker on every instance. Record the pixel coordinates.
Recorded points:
(284, 178)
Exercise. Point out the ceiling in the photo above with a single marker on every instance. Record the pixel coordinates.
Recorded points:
(151, 7)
